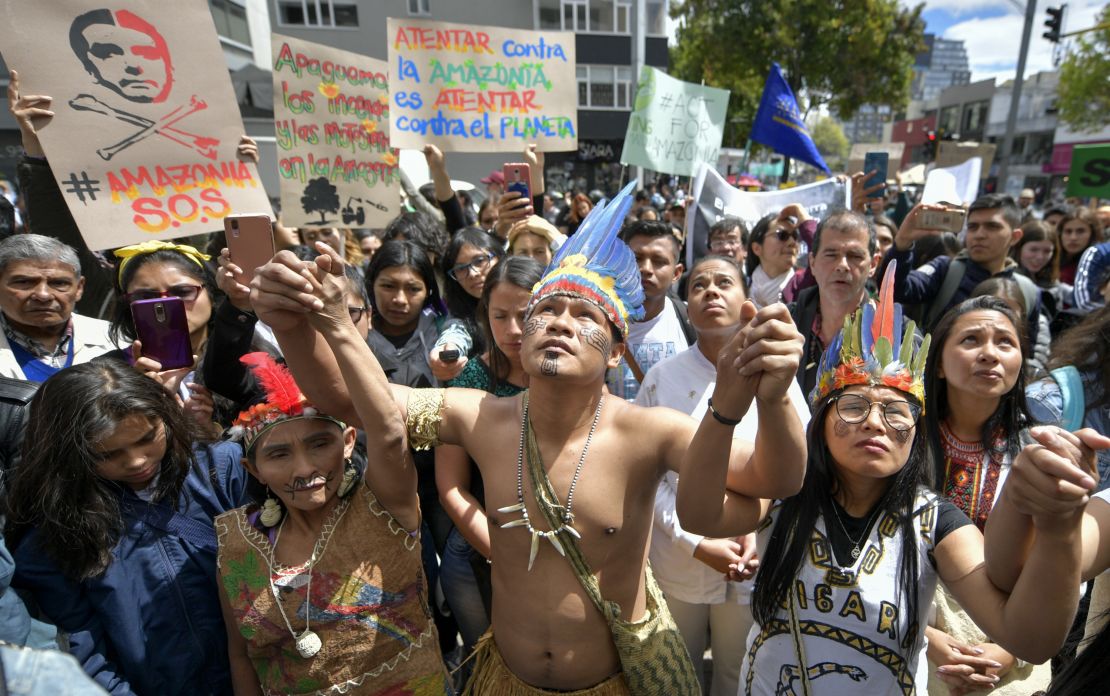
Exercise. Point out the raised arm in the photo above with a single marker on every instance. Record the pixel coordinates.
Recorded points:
(391, 471)
(1031, 621)
(758, 363)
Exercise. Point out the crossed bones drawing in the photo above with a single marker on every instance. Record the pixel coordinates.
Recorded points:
(204, 145)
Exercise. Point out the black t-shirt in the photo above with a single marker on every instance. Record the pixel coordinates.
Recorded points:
(949, 519)
(399, 341)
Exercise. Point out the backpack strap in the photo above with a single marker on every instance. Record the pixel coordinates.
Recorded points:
(684, 320)
(1071, 393)
(952, 278)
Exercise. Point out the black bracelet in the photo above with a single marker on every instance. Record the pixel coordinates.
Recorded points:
(721, 419)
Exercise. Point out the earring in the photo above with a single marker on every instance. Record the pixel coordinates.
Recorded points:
(350, 478)
(271, 511)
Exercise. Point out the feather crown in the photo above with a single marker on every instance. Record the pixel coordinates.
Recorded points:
(874, 348)
(596, 266)
(284, 401)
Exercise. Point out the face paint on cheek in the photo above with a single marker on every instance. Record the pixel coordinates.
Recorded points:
(902, 436)
(534, 325)
(596, 338)
(840, 428)
(550, 364)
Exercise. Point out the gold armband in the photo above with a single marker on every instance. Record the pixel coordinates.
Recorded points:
(425, 415)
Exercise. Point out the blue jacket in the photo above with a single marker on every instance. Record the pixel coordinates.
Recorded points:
(151, 624)
(920, 285)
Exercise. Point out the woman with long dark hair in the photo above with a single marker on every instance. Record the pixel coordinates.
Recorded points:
(976, 420)
(464, 572)
(469, 258)
(849, 565)
(116, 494)
(164, 269)
(772, 253)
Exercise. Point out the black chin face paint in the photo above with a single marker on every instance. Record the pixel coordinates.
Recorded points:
(550, 364)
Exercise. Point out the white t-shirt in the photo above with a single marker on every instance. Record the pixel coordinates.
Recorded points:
(685, 382)
(650, 342)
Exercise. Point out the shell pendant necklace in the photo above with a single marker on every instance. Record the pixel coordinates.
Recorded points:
(307, 643)
(568, 518)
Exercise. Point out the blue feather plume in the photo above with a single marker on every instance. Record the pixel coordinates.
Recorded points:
(598, 240)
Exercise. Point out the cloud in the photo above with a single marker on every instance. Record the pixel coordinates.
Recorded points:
(960, 8)
(993, 42)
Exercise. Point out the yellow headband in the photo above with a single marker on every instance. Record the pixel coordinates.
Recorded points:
(125, 254)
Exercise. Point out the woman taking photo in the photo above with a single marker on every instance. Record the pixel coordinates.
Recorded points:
(157, 269)
(117, 492)
(850, 564)
(470, 256)
(463, 571)
(976, 420)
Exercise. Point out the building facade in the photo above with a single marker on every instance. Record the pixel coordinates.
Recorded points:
(1034, 130)
(943, 64)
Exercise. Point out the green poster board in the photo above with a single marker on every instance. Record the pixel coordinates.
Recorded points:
(1090, 171)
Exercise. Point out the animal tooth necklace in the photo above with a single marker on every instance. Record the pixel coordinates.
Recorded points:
(568, 517)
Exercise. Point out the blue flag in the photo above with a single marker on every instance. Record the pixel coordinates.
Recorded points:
(778, 123)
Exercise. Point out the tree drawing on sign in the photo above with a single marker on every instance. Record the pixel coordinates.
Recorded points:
(320, 197)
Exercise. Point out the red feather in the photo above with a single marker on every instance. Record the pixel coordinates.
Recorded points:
(281, 389)
(883, 325)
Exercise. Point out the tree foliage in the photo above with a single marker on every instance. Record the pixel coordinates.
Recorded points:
(1084, 91)
(831, 142)
(843, 53)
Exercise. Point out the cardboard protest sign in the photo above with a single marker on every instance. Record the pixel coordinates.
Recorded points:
(859, 152)
(675, 124)
(481, 89)
(331, 117)
(1090, 171)
(146, 125)
(951, 154)
(714, 198)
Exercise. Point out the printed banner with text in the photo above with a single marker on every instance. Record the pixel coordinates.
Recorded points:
(714, 198)
(145, 128)
(331, 117)
(675, 124)
(481, 89)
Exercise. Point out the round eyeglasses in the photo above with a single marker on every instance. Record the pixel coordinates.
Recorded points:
(477, 264)
(900, 415)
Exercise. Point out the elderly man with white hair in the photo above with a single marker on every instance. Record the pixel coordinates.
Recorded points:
(40, 282)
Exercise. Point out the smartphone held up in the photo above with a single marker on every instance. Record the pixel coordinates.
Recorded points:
(250, 243)
(163, 329)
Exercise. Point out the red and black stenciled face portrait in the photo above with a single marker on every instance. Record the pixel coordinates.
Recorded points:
(124, 53)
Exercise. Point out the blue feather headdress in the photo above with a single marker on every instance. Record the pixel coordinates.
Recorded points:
(595, 265)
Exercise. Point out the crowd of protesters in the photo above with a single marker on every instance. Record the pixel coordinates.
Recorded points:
(239, 526)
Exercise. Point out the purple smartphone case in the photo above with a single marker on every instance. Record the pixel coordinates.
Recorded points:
(161, 325)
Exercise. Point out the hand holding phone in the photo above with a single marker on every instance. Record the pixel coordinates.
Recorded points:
(250, 243)
(518, 177)
(449, 356)
(946, 220)
(163, 329)
(875, 166)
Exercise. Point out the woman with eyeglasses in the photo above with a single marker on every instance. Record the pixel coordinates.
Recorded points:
(469, 258)
(158, 269)
(772, 253)
(850, 564)
(976, 422)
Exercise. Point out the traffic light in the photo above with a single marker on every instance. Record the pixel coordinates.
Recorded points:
(1054, 23)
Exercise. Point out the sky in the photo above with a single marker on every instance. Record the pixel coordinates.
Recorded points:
(991, 31)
